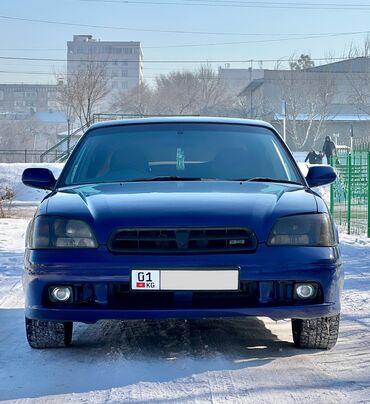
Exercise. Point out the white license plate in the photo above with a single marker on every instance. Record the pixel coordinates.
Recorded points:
(185, 280)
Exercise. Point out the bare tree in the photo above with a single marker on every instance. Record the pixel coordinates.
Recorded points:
(177, 93)
(360, 91)
(199, 92)
(252, 104)
(85, 89)
(213, 93)
(138, 101)
(6, 199)
(308, 101)
(360, 81)
(25, 134)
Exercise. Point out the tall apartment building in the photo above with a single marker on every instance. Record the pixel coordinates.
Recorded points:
(26, 99)
(123, 61)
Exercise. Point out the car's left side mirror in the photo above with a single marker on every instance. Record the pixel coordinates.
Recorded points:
(41, 178)
(320, 175)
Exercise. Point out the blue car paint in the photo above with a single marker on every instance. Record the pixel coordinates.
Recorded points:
(181, 204)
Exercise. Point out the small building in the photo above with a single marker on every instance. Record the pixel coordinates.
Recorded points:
(235, 80)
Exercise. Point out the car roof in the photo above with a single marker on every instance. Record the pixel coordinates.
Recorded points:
(181, 119)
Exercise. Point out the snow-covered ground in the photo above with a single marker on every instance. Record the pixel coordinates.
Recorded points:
(246, 360)
(10, 177)
(213, 361)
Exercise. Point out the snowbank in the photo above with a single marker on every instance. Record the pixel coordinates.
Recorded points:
(11, 175)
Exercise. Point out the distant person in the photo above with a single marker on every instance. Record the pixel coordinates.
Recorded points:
(313, 157)
(319, 157)
(329, 149)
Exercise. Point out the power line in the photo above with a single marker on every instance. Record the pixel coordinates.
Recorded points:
(317, 3)
(65, 23)
(33, 49)
(5, 17)
(308, 36)
(295, 35)
(197, 45)
(262, 5)
(293, 76)
(195, 61)
(314, 36)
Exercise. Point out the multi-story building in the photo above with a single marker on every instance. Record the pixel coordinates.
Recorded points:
(122, 61)
(26, 99)
(330, 99)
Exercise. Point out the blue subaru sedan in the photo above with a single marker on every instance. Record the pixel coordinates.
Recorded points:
(181, 218)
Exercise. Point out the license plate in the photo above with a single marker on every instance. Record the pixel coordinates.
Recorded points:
(185, 280)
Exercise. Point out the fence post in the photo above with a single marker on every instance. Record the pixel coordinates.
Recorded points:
(349, 193)
(332, 190)
(368, 194)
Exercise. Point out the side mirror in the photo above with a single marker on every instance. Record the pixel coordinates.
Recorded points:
(320, 175)
(41, 178)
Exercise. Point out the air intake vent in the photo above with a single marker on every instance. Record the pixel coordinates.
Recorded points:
(182, 241)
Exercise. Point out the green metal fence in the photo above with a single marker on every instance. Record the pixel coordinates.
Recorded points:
(349, 195)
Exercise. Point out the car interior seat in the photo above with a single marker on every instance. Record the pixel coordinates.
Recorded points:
(128, 163)
(235, 163)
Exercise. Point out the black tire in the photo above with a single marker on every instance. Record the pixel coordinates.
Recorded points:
(317, 333)
(48, 334)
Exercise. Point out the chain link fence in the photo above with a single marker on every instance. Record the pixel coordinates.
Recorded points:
(349, 195)
(20, 156)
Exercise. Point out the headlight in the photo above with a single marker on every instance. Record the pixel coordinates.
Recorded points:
(303, 230)
(56, 232)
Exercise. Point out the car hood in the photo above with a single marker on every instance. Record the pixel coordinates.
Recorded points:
(180, 204)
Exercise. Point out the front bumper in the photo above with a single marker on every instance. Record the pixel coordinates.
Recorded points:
(99, 270)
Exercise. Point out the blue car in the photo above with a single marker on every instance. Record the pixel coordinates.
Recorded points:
(181, 218)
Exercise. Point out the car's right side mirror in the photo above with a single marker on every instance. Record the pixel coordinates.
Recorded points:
(41, 178)
(320, 175)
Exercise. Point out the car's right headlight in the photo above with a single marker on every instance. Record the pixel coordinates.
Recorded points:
(314, 229)
(50, 232)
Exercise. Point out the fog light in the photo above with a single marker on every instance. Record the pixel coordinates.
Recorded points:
(61, 293)
(305, 290)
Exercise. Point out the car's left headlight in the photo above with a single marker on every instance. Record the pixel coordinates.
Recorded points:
(56, 232)
(314, 229)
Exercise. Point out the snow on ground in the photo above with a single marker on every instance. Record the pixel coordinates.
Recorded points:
(11, 175)
(243, 360)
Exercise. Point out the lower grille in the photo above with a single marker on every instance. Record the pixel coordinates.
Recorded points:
(120, 296)
(249, 295)
(182, 241)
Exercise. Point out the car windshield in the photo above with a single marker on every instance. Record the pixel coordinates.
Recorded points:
(176, 151)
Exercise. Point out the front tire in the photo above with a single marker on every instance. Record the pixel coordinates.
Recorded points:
(48, 334)
(317, 333)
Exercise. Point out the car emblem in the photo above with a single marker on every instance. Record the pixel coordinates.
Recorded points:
(182, 239)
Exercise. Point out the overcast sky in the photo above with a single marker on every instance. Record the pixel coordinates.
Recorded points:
(275, 26)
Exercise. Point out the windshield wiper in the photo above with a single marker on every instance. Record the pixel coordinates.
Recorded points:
(268, 179)
(169, 178)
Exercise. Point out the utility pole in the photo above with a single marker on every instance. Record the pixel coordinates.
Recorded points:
(283, 110)
(336, 137)
(68, 135)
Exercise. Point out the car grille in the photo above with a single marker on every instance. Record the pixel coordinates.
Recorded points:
(182, 241)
